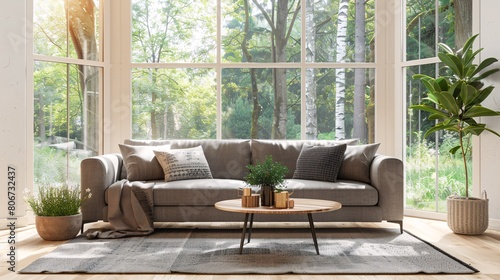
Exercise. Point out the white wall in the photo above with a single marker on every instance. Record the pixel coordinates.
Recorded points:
(15, 108)
(488, 26)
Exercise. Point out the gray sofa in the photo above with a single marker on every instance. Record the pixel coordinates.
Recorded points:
(369, 185)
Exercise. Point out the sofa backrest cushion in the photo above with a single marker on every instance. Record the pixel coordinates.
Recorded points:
(287, 151)
(227, 159)
(140, 162)
(357, 162)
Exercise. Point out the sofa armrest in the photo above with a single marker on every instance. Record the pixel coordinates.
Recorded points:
(97, 174)
(386, 174)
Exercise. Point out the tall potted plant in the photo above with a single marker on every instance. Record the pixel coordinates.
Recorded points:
(454, 102)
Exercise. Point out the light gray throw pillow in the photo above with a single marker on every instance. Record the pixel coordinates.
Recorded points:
(357, 161)
(184, 164)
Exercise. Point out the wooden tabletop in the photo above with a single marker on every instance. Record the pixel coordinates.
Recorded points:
(302, 206)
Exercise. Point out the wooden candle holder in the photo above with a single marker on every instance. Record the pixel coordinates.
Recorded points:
(250, 201)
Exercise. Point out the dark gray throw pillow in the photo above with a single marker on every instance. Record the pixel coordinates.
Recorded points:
(319, 163)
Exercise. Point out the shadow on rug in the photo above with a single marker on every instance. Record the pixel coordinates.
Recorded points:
(271, 251)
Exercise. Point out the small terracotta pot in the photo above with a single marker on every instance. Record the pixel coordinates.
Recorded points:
(57, 228)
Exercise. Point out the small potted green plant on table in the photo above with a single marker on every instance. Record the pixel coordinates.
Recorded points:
(269, 176)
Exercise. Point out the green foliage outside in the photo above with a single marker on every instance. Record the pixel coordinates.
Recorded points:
(432, 173)
(55, 166)
(422, 159)
(166, 102)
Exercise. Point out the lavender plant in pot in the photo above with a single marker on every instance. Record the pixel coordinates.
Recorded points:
(454, 103)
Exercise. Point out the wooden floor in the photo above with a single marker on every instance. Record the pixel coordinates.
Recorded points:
(482, 252)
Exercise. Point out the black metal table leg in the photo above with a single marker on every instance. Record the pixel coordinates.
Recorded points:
(243, 233)
(250, 228)
(313, 232)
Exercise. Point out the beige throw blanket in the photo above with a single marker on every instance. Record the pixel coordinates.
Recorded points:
(130, 211)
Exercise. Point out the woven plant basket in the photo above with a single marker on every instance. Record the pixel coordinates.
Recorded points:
(467, 215)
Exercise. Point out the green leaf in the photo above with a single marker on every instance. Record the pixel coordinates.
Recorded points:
(454, 149)
(469, 70)
(453, 62)
(439, 127)
(429, 84)
(442, 84)
(446, 48)
(485, 63)
(485, 74)
(455, 88)
(467, 94)
(469, 42)
(480, 111)
(475, 130)
(421, 76)
(482, 95)
(470, 56)
(427, 108)
(447, 101)
(437, 116)
(492, 131)
(432, 97)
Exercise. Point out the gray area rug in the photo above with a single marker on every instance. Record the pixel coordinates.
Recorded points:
(271, 251)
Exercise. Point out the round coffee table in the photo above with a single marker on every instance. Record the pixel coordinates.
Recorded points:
(302, 206)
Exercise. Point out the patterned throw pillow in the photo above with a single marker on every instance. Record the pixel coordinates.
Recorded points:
(183, 164)
(319, 163)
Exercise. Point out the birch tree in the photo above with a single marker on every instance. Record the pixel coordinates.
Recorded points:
(340, 72)
(311, 110)
(359, 119)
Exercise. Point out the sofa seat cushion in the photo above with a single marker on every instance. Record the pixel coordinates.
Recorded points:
(349, 193)
(206, 192)
(197, 192)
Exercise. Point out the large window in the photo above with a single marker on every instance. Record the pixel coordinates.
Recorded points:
(67, 87)
(432, 173)
(223, 69)
(269, 69)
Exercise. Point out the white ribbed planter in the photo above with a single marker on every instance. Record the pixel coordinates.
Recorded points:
(467, 215)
